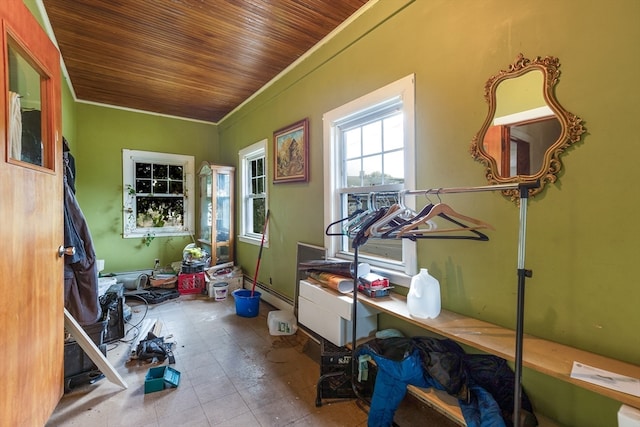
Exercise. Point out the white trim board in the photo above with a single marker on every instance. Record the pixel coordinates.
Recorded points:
(92, 350)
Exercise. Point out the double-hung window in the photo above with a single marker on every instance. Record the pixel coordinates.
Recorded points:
(369, 154)
(253, 188)
(156, 194)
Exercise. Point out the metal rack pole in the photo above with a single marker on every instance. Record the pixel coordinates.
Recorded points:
(497, 187)
(522, 275)
(354, 327)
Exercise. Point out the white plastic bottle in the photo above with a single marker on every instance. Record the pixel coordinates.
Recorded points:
(423, 299)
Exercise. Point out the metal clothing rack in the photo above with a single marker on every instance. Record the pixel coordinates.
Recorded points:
(523, 273)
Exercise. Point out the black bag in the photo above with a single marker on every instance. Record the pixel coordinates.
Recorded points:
(154, 349)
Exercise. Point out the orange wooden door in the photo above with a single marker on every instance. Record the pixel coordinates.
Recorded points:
(31, 215)
(493, 145)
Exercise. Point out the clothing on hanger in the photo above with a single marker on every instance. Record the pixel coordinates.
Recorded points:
(445, 211)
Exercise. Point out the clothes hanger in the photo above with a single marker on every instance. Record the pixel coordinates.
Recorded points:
(391, 232)
(359, 234)
(470, 233)
(398, 215)
(352, 221)
(447, 212)
(394, 210)
(349, 218)
(357, 220)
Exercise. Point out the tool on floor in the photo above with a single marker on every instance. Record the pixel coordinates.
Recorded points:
(264, 231)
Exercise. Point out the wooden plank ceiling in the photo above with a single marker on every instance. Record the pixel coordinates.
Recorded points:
(196, 59)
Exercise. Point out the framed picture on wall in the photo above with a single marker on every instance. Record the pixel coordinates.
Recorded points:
(291, 149)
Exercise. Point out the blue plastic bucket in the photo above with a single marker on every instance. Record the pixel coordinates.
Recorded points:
(246, 305)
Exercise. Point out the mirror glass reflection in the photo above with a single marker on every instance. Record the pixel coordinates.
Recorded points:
(526, 129)
(523, 127)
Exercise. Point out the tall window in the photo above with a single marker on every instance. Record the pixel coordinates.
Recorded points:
(156, 194)
(253, 174)
(369, 150)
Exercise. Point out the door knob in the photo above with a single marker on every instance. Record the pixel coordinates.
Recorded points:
(69, 250)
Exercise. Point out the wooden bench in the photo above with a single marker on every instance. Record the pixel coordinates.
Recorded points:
(547, 357)
(448, 406)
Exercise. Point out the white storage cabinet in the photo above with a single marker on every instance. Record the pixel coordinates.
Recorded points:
(328, 313)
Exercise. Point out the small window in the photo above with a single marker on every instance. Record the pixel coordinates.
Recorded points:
(369, 147)
(253, 208)
(156, 194)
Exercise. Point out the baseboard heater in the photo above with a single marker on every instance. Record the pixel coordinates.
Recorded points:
(269, 295)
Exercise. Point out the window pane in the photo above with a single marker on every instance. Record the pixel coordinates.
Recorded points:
(160, 171)
(353, 173)
(176, 187)
(355, 202)
(352, 145)
(259, 166)
(383, 248)
(175, 173)
(372, 170)
(394, 167)
(143, 186)
(258, 215)
(160, 186)
(143, 170)
(393, 132)
(372, 138)
(159, 211)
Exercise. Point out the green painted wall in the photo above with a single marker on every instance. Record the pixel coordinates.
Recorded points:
(68, 115)
(101, 134)
(581, 231)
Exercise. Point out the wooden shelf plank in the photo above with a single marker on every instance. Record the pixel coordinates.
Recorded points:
(448, 405)
(541, 355)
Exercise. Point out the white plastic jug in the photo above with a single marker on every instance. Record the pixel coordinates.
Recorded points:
(281, 322)
(423, 299)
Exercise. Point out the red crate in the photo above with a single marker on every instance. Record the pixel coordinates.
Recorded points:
(191, 283)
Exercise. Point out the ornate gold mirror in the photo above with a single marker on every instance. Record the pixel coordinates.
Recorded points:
(526, 128)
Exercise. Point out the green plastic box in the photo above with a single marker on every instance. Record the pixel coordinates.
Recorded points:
(160, 378)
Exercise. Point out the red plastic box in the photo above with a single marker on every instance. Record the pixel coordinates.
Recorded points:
(191, 283)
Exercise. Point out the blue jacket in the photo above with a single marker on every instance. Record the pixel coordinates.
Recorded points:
(442, 364)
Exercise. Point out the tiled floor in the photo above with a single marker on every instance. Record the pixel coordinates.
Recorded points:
(233, 373)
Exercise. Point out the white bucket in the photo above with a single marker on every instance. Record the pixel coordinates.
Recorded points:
(220, 290)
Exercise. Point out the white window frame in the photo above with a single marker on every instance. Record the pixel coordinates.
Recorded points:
(403, 89)
(245, 157)
(129, 225)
